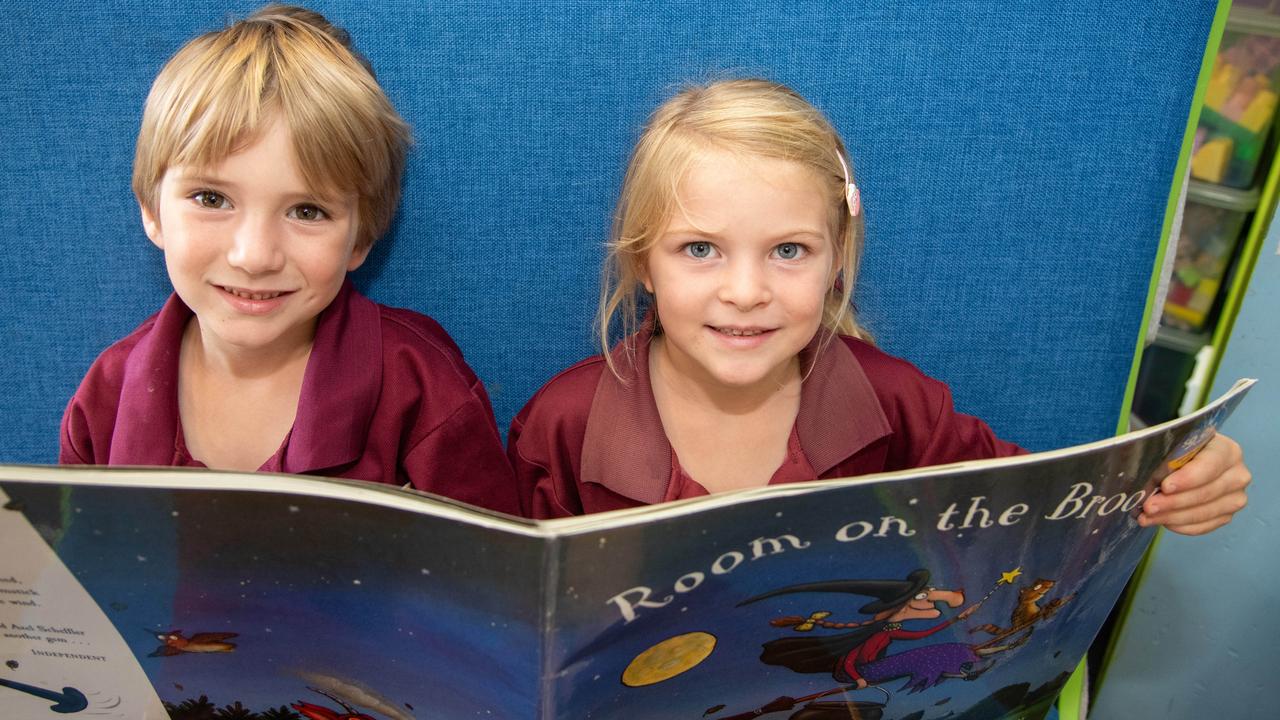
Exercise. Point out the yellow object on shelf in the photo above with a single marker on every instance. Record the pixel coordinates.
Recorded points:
(1259, 112)
(1197, 308)
(1222, 83)
(1211, 160)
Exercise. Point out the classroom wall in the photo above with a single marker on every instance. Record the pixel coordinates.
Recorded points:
(1015, 160)
(1173, 660)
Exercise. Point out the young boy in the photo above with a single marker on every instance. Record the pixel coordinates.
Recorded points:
(268, 162)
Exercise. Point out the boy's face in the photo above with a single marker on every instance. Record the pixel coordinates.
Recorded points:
(251, 249)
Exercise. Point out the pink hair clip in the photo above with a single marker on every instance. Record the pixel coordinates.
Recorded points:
(852, 196)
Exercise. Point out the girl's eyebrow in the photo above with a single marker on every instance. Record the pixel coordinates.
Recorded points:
(688, 230)
(785, 235)
(805, 232)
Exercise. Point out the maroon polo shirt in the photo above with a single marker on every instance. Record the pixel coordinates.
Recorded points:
(386, 397)
(589, 442)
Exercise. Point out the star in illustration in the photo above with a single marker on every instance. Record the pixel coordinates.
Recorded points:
(1007, 578)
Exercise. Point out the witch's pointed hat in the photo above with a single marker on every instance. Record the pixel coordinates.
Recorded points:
(890, 594)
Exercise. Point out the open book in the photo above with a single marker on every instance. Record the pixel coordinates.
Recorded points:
(964, 591)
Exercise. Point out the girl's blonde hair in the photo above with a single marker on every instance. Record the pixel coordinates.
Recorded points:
(748, 116)
(216, 93)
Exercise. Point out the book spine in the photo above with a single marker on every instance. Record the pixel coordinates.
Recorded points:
(547, 619)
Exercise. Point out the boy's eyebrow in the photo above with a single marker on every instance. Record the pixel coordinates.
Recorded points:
(304, 194)
(200, 178)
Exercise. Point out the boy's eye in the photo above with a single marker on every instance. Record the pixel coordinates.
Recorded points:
(698, 250)
(789, 251)
(307, 212)
(210, 199)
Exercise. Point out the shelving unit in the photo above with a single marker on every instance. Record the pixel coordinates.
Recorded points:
(1228, 220)
(1224, 221)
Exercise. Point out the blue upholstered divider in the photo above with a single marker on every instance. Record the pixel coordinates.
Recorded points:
(1015, 159)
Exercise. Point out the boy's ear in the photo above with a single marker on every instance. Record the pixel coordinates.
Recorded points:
(151, 224)
(358, 256)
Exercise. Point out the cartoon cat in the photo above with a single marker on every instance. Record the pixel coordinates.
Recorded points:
(1028, 609)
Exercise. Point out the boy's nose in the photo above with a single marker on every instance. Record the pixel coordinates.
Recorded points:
(254, 249)
(745, 285)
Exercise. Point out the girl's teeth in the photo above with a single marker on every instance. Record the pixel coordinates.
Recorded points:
(740, 333)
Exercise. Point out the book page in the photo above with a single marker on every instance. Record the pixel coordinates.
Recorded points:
(965, 591)
(239, 603)
(60, 653)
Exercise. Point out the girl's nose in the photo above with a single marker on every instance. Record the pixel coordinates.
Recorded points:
(255, 248)
(745, 285)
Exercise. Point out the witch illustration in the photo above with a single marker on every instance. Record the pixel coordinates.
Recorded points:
(860, 657)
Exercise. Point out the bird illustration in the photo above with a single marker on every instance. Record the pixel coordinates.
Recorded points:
(175, 643)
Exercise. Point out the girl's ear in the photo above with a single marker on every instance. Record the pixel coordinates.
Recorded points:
(643, 272)
(151, 224)
(837, 266)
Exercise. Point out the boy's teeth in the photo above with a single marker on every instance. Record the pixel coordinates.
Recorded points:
(252, 296)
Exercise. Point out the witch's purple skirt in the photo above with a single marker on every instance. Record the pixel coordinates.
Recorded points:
(923, 667)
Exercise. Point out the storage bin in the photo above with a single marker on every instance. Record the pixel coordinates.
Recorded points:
(1240, 101)
(1239, 6)
(1212, 224)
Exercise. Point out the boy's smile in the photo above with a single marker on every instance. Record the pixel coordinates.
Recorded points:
(253, 250)
(740, 272)
(252, 302)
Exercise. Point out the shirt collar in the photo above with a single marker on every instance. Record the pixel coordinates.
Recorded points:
(626, 450)
(340, 388)
(339, 393)
(624, 447)
(146, 426)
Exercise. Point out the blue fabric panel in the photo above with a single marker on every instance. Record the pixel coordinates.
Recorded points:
(1015, 159)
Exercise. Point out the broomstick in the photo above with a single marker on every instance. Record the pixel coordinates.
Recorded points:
(785, 702)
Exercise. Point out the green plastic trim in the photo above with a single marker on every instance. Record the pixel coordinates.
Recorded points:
(1175, 191)
(1069, 701)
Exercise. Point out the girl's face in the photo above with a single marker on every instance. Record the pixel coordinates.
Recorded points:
(741, 270)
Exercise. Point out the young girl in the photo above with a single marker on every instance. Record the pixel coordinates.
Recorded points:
(739, 226)
(268, 163)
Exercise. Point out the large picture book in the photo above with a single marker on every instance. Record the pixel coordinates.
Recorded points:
(963, 591)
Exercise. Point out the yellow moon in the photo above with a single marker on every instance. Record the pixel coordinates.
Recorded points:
(668, 659)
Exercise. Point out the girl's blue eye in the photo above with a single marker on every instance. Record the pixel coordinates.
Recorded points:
(789, 251)
(210, 199)
(698, 250)
(308, 212)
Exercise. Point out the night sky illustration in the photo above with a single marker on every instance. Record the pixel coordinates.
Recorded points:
(596, 648)
(425, 613)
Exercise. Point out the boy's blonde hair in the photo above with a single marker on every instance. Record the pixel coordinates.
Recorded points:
(216, 94)
(747, 116)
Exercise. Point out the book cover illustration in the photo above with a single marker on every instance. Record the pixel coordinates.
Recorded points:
(966, 591)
